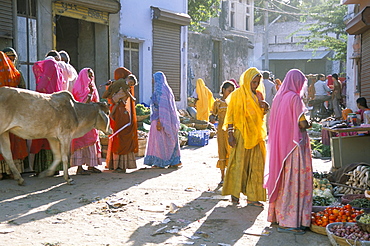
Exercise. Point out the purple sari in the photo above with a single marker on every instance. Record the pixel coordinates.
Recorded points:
(163, 147)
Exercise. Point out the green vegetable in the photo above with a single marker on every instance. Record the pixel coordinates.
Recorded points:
(360, 203)
(141, 109)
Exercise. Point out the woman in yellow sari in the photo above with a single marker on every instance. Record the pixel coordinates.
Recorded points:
(244, 121)
(205, 100)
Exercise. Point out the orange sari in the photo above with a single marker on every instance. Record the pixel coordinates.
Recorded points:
(10, 76)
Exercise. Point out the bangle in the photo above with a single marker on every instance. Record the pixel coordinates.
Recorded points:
(89, 95)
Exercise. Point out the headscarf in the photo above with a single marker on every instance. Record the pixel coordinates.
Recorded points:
(121, 73)
(80, 92)
(205, 100)
(48, 75)
(81, 87)
(345, 113)
(244, 111)
(10, 52)
(9, 75)
(168, 116)
(236, 83)
(285, 134)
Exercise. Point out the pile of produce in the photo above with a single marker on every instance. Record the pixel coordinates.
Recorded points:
(352, 232)
(335, 214)
(322, 192)
(358, 178)
(141, 109)
(360, 203)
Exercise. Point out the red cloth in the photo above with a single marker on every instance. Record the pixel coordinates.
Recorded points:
(126, 141)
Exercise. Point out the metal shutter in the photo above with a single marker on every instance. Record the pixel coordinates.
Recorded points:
(6, 19)
(365, 66)
(167, 53)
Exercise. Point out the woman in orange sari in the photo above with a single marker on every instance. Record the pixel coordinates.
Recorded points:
(123, 143)
(10, 76)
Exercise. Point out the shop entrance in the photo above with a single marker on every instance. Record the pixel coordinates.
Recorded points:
(67, 36)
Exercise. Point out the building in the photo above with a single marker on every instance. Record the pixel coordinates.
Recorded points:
(286, 51)
(358, 51)
(152, 36)
(224, 49)
(81, 27)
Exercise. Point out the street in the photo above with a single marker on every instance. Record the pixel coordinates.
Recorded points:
(143, 207)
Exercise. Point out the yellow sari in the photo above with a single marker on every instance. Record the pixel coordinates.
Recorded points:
(247, 159)
(205, 100)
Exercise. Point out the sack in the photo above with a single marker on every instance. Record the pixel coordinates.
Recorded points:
(120, 95)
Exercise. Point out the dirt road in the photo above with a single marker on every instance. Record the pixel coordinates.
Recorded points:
(142, 207)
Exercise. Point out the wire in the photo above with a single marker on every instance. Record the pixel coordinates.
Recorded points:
(286, 4)
(281, 12)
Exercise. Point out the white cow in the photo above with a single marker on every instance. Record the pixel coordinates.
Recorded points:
(58, 117)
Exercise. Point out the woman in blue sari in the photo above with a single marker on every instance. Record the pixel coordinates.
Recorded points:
(163, 149)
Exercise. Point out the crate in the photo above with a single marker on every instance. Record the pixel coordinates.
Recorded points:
(198, 138)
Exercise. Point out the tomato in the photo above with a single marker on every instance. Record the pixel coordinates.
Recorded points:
(318, 222)
(332, 217)
(324, 223)
(335, 211)
(354, 215)
(347, 206)
(341, 213)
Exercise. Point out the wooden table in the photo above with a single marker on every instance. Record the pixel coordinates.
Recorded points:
(356, 150)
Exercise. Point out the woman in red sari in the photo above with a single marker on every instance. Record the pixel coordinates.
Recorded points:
(123, 144)
(10, 76)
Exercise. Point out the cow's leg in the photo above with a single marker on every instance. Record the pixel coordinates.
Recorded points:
(55, 148)
(7, 154)
(65, 150)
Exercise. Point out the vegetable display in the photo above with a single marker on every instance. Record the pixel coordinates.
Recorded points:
(360, 203)
(358, 178)
(352, 232)
(141, 109)
(335, 214)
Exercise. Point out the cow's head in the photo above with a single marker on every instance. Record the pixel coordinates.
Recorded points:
(102, 123)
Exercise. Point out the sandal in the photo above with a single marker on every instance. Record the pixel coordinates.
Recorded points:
(175, 166)
(296, 231)
(119, 170)
(94, 170)
(234, 199)
(255, 204)
(84, 172)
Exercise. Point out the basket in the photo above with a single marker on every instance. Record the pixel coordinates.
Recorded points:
(200, 126)
(335, 241)
(350, 197)
(198, 138)
(363, 226)
(318, 229)
(142, 117)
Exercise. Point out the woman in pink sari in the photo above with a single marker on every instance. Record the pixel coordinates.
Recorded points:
(49, 79)
(86, 149)
(289, 181)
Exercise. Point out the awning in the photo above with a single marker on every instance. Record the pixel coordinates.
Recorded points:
(181, 19)
(298, 55)
(110, 6)
(360, 23)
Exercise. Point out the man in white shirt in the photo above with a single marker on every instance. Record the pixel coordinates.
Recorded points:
(322, 90)
(270, 90)
(70, 72)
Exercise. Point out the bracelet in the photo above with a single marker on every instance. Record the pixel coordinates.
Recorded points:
(89, 95)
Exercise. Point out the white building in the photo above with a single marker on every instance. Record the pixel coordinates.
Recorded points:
(152, 36)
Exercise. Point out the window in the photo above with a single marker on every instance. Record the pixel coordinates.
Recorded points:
(247, 23)
(26, 8)
(232, 16)
(131, 61)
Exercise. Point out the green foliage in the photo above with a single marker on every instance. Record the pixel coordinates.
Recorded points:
(323, 149)
(329, 15)
(141, 109)
(202, 10)
(287, 10)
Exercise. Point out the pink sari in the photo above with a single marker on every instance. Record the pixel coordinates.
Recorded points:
(80, 93)
(289, 178)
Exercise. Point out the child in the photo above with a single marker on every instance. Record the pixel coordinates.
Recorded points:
(219, 110)
(119, 90)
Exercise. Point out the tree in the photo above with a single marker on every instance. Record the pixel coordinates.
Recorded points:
(202, 10)
(329, 15)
